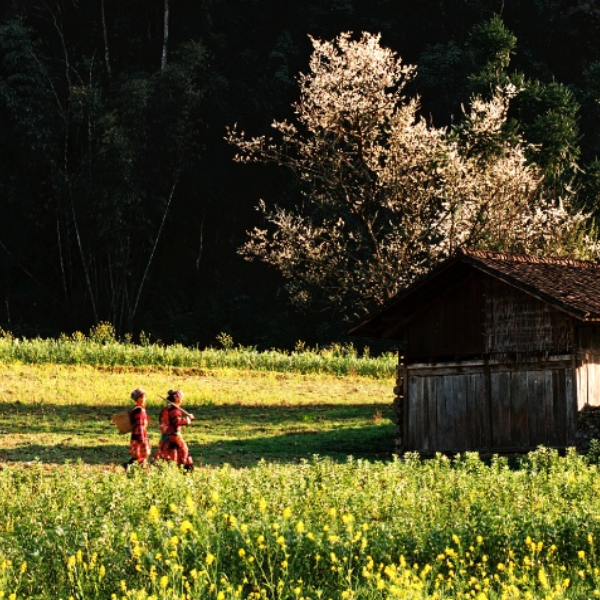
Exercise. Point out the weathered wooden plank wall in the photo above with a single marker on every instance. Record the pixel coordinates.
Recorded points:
(447, 409)
(516, 322)
(588, 380)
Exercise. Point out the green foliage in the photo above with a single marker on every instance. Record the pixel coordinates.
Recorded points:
(225, 340)
(408, 529)
(102, 348)
(592, 187)
(491, 46)
(94, 137)
(103, 333)
(548, 116)
(441, 79)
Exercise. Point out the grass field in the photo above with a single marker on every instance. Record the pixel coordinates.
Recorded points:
(53, 413)
(297, 495)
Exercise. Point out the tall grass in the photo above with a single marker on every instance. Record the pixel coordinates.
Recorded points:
(406, 529)
(101, 348)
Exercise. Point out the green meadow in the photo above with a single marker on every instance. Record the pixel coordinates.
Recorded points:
(297, 493)
(53, 413)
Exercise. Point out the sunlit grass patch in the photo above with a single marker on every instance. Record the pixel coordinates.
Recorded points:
(101, 349)
(61, 412)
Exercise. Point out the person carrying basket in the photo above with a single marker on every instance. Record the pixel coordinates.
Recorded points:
(172, 446)
(139, 446)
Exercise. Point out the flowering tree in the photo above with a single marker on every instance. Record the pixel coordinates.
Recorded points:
(385, 195)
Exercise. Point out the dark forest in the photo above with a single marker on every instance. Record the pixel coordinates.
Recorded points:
(120, 201)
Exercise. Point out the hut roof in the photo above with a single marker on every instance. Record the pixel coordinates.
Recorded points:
(572, 286)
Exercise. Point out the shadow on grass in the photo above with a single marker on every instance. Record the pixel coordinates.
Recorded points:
(374, 442)
(237, 434)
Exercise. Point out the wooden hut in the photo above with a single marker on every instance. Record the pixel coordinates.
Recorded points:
(501, 353)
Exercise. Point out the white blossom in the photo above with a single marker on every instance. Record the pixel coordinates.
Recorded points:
(386, 195)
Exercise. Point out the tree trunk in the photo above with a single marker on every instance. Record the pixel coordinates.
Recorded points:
(105, 34)
(163, 62)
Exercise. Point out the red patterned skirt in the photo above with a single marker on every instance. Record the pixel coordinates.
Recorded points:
(173, 448)
(139, 450)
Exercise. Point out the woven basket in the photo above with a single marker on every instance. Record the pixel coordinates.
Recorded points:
(123, 421)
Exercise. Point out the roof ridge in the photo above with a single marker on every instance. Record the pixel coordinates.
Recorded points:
(527, 258)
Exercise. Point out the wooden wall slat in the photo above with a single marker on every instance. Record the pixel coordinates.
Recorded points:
(536, 403)
(477, 413)
(548, 423)
(558, 435)
(501, 409)
(432, 422)
(519, 409)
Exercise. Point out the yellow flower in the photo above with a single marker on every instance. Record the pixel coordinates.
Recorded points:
(191, 505)
(581, 554)
(71, 562)
(186, 526)
(262, 505)
(133, 538)
(221, 596)
(153, 513)
(287, 513)
(210, 559)
(241, 552)
(164, 582)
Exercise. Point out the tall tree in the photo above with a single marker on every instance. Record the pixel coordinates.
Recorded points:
(385, 195)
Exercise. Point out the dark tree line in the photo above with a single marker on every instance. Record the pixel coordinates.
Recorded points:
(119, 198)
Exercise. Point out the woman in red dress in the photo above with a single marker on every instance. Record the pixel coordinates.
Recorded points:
(139, 446)
(173, 418)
